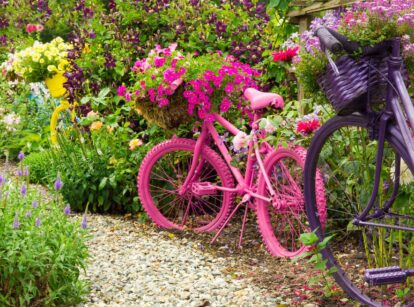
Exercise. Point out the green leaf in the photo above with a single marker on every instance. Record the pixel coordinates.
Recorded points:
(274, 3)
(309, 238)
(103, 182)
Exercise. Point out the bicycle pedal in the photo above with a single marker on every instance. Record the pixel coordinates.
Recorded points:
(203, 188)
(387, 275)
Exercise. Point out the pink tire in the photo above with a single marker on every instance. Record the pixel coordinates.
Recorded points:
(282, 221)
(162, 173)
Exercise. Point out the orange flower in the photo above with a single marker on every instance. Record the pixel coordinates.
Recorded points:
(96, 125)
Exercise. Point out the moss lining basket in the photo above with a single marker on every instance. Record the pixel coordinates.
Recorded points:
(167, 117)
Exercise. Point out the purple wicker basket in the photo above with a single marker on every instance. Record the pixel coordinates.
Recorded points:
(358, 82)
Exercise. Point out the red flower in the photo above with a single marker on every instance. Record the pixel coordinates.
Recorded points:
(284, 56)
(31, 28)
(308, 126)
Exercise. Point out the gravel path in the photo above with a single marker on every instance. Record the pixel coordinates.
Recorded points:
(134, 264)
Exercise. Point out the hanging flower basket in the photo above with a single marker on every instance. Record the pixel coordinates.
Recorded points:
(55, 85)
(169, 116)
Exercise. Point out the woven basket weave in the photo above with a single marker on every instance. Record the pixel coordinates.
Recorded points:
(167, 117)
(358, 82)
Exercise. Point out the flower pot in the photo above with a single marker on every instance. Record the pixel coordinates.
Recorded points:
(167, 117)
(55, 85)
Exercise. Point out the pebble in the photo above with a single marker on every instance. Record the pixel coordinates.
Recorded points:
(132, 267)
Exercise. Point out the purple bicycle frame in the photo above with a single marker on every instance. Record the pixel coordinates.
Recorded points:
(402, 133)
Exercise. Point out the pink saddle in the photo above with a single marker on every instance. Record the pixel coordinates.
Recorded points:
(259, 100)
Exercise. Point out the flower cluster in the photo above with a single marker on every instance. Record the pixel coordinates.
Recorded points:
(213, 92)
(309, 123)
(34, 28)
(285, 55)
(157, 76)
(11, 121)
(36, 63)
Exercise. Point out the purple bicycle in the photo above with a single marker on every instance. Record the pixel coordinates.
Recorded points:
(366, 155)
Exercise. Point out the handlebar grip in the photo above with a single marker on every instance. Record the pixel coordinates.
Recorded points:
(328, 40)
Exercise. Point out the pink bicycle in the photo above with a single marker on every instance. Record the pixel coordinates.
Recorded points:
(184, 183)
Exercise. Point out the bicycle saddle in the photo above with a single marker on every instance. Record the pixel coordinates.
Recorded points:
(259, 100)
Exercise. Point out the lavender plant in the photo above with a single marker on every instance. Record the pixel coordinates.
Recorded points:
(42, 251)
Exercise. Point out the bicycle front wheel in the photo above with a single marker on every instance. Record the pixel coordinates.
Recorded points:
(346, 155)
(162, 174)
(283, 219)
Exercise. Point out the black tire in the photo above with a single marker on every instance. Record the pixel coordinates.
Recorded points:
(348, 183)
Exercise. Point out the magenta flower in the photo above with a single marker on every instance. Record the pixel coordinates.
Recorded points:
(159, 61)
(122, 90)
(163, 102)
(225, 105)
(128, 96)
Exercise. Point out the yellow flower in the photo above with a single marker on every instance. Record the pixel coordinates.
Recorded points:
(36, 57)
(86, 49)
(41, 61)
(406, 177)
(57, 40)
(96, 125)
(62, 65)
(110, 129)
(52, 68)
(134, 144)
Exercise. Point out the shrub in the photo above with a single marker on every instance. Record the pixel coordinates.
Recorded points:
(39, 166)
(99, 169)
(41, 252)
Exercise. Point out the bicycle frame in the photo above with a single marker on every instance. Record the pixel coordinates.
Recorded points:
(244, 186)
(396, 91)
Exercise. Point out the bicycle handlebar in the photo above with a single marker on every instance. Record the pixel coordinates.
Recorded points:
(337, 42)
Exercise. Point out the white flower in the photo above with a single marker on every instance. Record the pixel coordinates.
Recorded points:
(241, 141)
(10, 121)
(269, 128)
(406, 177)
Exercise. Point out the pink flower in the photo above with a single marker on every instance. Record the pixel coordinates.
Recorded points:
(159, 61)
(122, 90)
(241, 141)
(229, 88)
(128, 96)
(30, 28)
(173, 46)
(225, 105)
(163, 102)
(151, 93)
(39, 28)
(137, 93)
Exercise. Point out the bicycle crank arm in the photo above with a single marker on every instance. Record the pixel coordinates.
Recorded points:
(387, 275)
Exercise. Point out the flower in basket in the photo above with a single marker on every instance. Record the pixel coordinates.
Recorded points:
(40, 61)
(218, 86)
(367, 22)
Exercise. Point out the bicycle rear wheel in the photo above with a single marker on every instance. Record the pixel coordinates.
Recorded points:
(163, 172)
(345, 154)
(283, 220)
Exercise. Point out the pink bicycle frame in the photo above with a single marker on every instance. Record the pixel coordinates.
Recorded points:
(244, 183)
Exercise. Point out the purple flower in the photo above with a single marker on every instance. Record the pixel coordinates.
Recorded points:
(34, 204)
(58, 184)
(3, 40)
(110, 61)
(84, 223)
(92, 34)
(16, 222)
(23, 190)
(221, 27)
(67, 210)
(2, 180)
(4, 23)
(19, 173)
(38, 222)
(26, 171)
(29, 213)
(20, 156)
